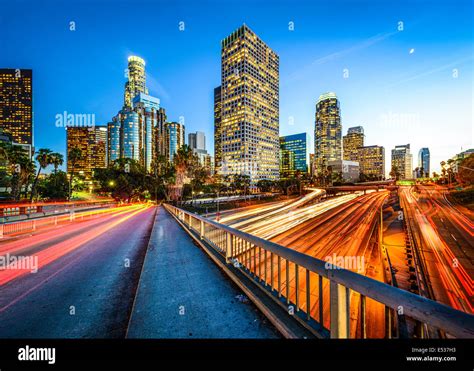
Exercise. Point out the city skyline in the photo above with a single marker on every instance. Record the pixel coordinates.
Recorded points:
(418, 66)
(226, 171)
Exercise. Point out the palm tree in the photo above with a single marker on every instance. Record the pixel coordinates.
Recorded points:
(44, 159)
(184, 161)
(57, 159)
(21, 168)
(73, 156)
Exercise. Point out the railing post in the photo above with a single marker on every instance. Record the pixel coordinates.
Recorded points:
(338, 309)
(228, 247)
(201, 233)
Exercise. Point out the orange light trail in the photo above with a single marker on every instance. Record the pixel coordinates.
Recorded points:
(60, 249)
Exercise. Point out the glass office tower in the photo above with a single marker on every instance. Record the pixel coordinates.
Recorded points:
(423, 163)
(174, 138)
(136, 80)
(113, 140)
(327, 131)
(297, 144)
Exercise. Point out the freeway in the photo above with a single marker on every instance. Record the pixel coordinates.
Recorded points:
(444, 242)
(339, 227)
(344, 231)
(249, 216)
(455, 227)
(86, 279)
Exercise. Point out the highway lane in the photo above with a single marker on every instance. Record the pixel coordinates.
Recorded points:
(343, 230)
(86, 282)
(450, 281)
(345, 233)
(453, 226)
(248, 217)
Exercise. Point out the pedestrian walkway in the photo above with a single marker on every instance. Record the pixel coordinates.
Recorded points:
(183, 294)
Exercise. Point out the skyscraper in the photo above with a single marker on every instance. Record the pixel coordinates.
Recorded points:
(130, 145)
(372, 162)
(147, 108)
(311, 165)
(287, 163)
(423, 163)
(99, 154)
(137, 132)
(351, 142)
(197, 140)
(402, 161)
(16, 104)
(113, 140)
(297, 144)
(250, 107)
(91, 141)
(136, 79)
(159, 134)
(217, 128)
(327, 131)
(174, 138)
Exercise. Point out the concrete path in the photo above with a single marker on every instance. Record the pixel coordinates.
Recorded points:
(183, 294)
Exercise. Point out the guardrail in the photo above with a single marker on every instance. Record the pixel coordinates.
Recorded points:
(312, 285)
(31, 225)
(20, 210)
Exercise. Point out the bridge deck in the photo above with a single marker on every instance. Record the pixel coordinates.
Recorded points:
(183, 294)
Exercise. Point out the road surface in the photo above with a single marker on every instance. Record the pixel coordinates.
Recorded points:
(447, 265)
(86, 281)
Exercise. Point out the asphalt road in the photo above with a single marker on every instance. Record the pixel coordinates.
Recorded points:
(86, 283)
(447, 274)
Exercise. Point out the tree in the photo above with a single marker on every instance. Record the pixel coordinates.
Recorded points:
(125, 180)
(242, 182)
(466, 170)
(44, 159)
(394, 173)
(73, 156)
(19, 169)
(184, 161)
(162, 174)
(57, 159)
(265, 185)
(54, 187)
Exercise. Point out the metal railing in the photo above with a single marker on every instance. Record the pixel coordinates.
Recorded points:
(17, 212)
(319, 296)
(31, 225)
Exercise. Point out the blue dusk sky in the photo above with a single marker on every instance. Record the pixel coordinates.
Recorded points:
(401, 69)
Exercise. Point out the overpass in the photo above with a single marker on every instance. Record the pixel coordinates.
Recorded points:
(374, 186)
(259, 266)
